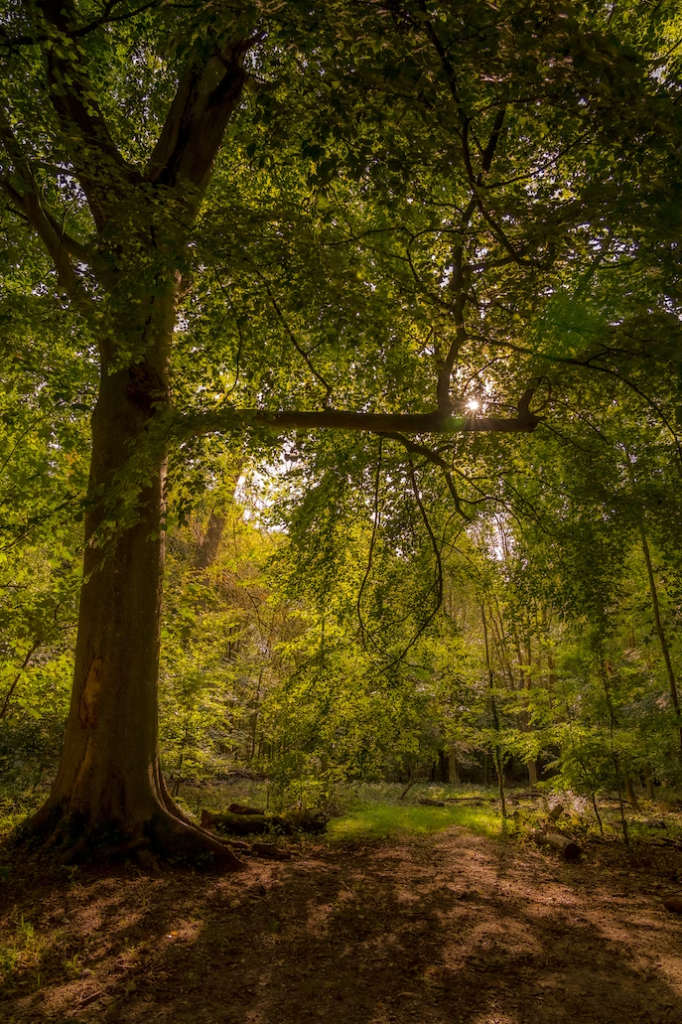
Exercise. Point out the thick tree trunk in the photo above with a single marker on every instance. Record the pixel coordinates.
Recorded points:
(109, 782)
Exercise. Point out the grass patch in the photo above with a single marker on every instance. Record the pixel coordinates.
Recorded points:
(16, 806)
(378, 813)
(368, 811)
(382, 821)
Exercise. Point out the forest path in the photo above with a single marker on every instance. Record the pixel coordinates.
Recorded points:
(452, 927)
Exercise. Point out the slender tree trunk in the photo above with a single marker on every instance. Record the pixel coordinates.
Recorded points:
(660, 631)
(653, 593)
(596, 813)
(497, 753)
(630, 793)
(649, 781)
(15, 682)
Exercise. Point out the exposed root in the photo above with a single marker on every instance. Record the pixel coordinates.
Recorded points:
(133, 846)
(73, 853)
(180, 839)
(168, 835)
(177, 812)
(55, 838)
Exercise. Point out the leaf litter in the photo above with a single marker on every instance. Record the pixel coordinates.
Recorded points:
(453, 927)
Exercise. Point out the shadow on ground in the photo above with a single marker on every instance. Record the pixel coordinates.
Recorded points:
(454, 928)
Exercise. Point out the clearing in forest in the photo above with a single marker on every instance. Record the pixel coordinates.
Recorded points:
(452, 927)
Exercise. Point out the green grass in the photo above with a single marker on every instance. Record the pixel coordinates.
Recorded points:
(383, 821)
(369, 811)
(16, 805)
(375, 811)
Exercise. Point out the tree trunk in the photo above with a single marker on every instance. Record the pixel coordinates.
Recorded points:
(207, 548)
(660, 632)
(649, 781)
(630, 793)
(109, 781)
(655, 604)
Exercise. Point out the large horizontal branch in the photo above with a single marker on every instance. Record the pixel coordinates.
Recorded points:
(436, 422)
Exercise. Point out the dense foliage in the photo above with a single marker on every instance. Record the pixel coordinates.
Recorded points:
(423, 504)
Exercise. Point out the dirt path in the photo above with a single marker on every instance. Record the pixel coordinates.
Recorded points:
(454, 928)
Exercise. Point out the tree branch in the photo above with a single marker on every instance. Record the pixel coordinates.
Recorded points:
(437, 460)
(101, 169)
(28, 202)
(106, 18)
(461, 272)
(436, 422)
(209, 91)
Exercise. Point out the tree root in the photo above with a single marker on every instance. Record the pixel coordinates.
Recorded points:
(177, 812)
(166, 833)
(181, 839)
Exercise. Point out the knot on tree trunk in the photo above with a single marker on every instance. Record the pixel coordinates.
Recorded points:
(145, 387)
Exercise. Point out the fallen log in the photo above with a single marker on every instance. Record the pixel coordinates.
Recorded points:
(567, 846)
(477, 801)
(427, 802)
(236, 824)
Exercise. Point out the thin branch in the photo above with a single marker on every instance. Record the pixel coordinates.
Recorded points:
(106, 18)
(292, 337)
(432, 537)
(29, 203)
(24, 665)
(437, 460)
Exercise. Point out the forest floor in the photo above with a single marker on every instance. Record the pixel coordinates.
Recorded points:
(452, 927)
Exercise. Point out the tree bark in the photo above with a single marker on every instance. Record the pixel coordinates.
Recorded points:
(109, 779)
(655, 604)
(660, 632)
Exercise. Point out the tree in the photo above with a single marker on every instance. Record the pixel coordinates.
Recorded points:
(163, 214)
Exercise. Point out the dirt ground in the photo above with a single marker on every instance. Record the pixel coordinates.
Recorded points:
(451, 928)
